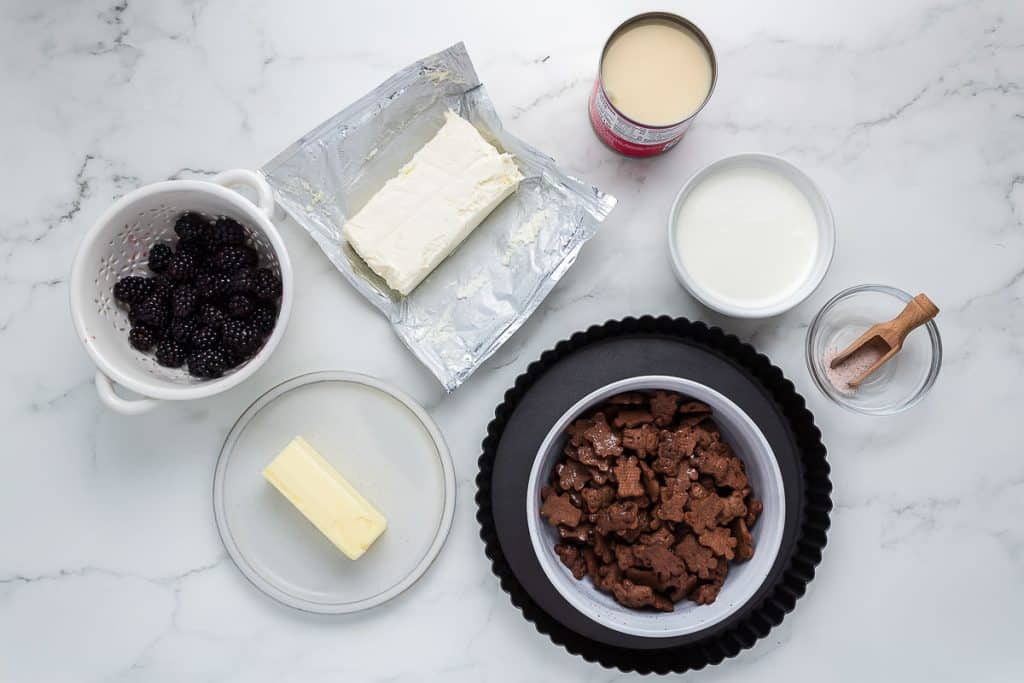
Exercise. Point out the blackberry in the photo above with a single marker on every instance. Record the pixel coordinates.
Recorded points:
(211, 315)
(204, 337)
(241, 336)
(239, 306)
(192, 245)
(227, 231)
(142, 338)
(191, 226)
(211, 284)
(242, 281)
(132, 289)
(160, 257)
(162, 289)
(182, 329)
(264, 318)
(207, 363)
(170, 354)
(268, 284)
(182, 268)
(233, 358)
(232, 257)
(183, 301)
(151, 311)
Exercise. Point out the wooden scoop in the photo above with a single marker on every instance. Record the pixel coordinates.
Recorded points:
(886, 339)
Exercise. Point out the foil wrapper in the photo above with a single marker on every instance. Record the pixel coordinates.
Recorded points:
(487, 288)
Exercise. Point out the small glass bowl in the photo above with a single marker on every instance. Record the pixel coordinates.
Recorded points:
(391, 451)
(899, 383)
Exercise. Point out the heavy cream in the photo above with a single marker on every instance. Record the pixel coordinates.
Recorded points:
(747, 235)
(656, 72)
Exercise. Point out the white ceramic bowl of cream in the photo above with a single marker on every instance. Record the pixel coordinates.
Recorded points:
(751, 236)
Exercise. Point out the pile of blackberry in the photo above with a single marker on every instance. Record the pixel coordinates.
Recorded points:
(208, 305)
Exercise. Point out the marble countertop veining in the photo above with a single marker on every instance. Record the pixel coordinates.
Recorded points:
(910, 115)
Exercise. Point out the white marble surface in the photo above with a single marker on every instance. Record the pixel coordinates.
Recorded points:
(911, 117)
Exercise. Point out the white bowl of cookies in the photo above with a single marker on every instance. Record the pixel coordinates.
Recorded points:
(656, 506)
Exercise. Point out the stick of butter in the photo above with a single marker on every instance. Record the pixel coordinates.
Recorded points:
(325, 498)
(421, 215)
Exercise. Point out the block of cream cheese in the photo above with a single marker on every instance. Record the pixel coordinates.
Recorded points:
(325, 498)
(422, 214)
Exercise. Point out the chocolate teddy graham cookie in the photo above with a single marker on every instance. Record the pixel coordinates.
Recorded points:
(650, 502)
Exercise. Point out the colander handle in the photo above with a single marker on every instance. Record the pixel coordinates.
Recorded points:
(250, 179)
(105, 388)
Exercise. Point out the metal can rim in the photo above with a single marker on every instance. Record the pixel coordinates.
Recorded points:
(685, 23)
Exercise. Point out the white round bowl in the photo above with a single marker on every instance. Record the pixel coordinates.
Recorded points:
(118, 245)
(822, 214)
(744, 578)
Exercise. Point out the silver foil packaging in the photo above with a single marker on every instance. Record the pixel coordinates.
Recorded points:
(480, 295)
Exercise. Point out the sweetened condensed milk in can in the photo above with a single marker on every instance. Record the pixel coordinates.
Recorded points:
(657, 72)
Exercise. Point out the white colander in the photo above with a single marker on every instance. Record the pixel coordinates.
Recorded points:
(118, 245)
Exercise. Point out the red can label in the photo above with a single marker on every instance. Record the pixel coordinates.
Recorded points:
(626, 136)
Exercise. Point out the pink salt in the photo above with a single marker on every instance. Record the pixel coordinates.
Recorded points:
(854, 366)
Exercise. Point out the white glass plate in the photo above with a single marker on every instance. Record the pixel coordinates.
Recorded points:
(376, 437)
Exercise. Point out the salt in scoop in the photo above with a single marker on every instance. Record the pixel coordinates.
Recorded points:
(883, 340)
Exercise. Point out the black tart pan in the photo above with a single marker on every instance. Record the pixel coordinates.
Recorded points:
(651, 346)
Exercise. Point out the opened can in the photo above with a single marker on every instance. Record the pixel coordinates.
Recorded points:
(657, 72)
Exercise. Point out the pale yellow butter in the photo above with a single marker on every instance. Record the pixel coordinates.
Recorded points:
(327, 500)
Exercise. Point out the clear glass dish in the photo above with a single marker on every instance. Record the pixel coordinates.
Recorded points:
(376, 437)
(899, 383)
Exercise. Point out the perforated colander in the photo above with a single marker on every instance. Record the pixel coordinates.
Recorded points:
(118, 245)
